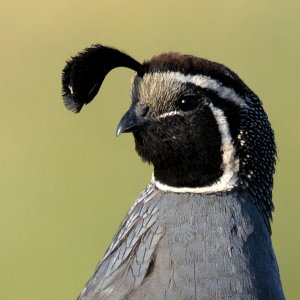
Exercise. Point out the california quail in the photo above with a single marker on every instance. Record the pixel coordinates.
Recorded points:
(201, 228)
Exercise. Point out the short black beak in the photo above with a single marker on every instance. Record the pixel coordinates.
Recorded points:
(131, 121)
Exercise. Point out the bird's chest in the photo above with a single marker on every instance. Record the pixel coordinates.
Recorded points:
(201, 254)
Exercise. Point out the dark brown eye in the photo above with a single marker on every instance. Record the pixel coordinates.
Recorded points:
(188, 103)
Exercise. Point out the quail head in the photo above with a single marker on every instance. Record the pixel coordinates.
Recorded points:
(201, 228)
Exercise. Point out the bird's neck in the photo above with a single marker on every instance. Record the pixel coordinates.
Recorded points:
(187, 174)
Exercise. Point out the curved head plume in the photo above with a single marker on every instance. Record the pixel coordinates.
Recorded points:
(83, 74)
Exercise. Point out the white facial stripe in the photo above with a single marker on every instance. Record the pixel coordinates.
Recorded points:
(170, 113)
(202, 81)
(230, 164)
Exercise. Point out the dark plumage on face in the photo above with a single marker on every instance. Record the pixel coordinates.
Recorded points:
(180, 136)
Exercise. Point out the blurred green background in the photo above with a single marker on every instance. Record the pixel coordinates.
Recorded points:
(66, 181)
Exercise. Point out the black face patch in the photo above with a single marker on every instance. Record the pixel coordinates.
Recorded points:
(185, 150)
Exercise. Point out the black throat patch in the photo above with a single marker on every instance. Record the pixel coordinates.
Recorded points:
(185, 151)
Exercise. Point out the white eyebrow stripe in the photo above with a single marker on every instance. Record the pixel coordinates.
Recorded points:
(202, 81)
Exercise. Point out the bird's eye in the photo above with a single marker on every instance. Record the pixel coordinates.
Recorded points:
(188, 103)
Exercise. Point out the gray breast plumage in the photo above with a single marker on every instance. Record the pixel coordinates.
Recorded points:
(189, 246)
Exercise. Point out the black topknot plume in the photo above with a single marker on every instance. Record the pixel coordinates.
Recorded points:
(83, 74)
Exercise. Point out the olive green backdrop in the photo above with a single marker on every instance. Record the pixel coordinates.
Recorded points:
(66, 181)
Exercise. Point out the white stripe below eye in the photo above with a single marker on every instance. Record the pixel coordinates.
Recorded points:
(230, 163)
(202, 81)
(169, 114)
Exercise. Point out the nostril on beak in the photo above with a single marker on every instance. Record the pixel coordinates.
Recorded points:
(141, 110)
(144, 110)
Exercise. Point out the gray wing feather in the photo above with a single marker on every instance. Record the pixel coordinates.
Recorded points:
(127, 259)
